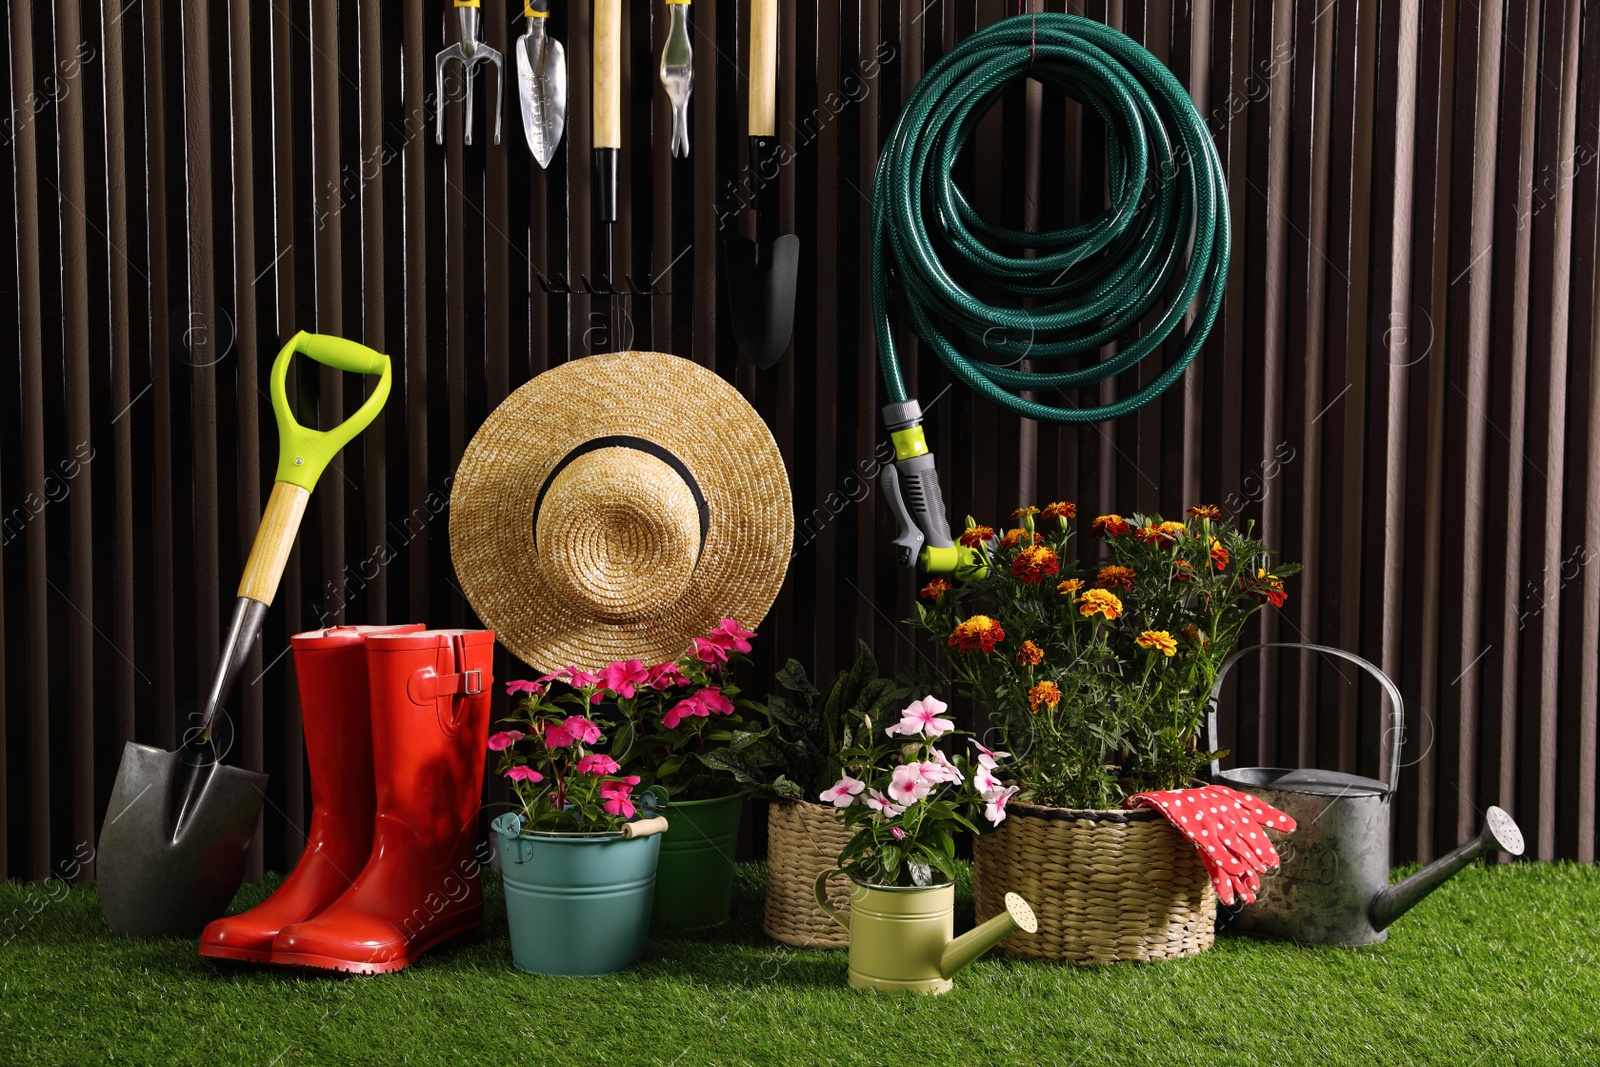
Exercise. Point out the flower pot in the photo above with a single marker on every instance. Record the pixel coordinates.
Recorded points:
(900, 936)
(803, 840)
(694, 882)
(577, 904)
(1111, 885)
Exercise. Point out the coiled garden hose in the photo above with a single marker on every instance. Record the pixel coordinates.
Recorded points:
(1163, 240)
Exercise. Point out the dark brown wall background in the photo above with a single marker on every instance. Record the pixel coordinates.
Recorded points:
(1401, 390)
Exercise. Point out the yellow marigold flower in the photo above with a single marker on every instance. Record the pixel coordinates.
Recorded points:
(977, 536)
(1013, 536)
(1034, 563)
(1045, 694)
(1115, 577)
(1100, 601)
(1150, 535)
(978, 632)
(1206, 511)
(1174, 530)
(1159, 640)
(1030, 654)
(1070, 586)
(1219, 555)
(1061, 509)
(936, 589)
(1025, 512)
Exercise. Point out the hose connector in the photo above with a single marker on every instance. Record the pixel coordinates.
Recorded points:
(911, 486)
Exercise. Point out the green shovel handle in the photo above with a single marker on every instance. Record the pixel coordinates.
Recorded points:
(303, 454)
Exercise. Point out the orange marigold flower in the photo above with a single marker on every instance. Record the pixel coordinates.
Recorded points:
(1219, 555)
(1030, 654)
(1070, 586)
(1013, 536)
(1150, 535)
(1027, 511)
(1173, 529)
(1268, 588)
(1192, 634)
(1182, 570)
(1046, 695)
(1061, 509)
(1034, 562)
(936, 589)
(978, 632)
(1109, 526)
(1157, 640)
(977, 536)
(1100, 601)
(1115, 577)
(1206, 511)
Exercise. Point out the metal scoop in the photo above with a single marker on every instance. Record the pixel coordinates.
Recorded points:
(541, 83)
(179, 825)
(470, 50)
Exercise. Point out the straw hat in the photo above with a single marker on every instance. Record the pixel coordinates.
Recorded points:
(616, 507)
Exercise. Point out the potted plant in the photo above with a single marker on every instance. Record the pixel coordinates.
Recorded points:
(902, 798)
(1097, 678)
(801, 752)
(578, 867)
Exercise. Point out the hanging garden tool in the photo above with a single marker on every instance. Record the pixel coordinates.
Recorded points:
(677, 74)
(471, 50)
(172, 850)
(1089, 284)
(607, 152)
(760, 275)
(541, 83)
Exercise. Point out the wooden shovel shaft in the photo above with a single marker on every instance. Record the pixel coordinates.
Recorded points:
(763, 68)
(608, 73)
(274, 540)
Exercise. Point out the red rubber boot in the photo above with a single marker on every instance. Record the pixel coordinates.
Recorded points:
(331, 669)
(430, 731)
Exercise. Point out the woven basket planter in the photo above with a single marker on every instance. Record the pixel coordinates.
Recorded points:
(803, 840)
(1107, 886)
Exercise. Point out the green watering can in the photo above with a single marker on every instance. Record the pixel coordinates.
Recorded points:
(901, 937)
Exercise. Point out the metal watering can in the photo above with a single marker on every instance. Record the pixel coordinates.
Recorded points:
(1333, 887)
(901, 936)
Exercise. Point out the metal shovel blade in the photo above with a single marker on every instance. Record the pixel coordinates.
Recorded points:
(761, 279)
(542, 90)
(173, 848)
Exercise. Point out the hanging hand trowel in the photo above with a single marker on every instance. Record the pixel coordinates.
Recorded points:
(760, 275)
(541, 83)
(179, 825)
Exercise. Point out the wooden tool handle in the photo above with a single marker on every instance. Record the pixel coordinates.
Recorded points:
(644, 827)
(763, 68)
(270, 552)
(608, 73)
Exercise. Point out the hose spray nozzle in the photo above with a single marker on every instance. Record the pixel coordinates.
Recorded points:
(911, 486)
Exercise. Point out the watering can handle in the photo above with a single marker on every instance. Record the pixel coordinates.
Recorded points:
(821, 891)
(1397, 711)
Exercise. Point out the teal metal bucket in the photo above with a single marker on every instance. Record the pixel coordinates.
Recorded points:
(694, 882)
(576, 905)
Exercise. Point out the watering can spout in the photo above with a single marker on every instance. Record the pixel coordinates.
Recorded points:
(980, 939)
(1500, 832)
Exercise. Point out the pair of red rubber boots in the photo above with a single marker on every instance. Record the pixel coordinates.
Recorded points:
(396, 727)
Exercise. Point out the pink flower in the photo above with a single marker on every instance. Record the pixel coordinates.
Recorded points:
(907, 785)
(843, 792)
(701, 704)
(581, 729)
(557, 736)
(709, 652)
(620, 678)
(988, 757)
(994, 808)
(572, 676)
(728, 634)
(985, 782)
(615, 794)
(921, 717)
(713, 701)
(940, 769)
(523, 686)
(524, 774)
(666, 676)
(619, 806)
(505, 739)
(897, 833)
(882, 804)
(597, 764)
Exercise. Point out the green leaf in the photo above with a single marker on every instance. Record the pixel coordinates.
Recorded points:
(793, 678)
(785, 788)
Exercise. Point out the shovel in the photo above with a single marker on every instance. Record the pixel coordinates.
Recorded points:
(179, 825)
(760, 275)
(541, 83)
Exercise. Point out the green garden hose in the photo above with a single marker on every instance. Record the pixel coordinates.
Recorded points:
(1163, 240)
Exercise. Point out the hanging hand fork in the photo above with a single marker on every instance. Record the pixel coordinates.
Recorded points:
(471, 51)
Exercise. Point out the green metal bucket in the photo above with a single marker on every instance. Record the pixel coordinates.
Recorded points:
(576, 905)
(694, 882)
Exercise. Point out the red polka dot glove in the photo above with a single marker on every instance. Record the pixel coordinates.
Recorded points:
(1229, 830)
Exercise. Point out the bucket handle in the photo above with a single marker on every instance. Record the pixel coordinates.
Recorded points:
(1397, 711)
(821, 892)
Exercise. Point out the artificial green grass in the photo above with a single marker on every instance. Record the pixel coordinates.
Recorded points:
(1497, 967)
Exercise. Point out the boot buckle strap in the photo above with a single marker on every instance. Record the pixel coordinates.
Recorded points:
(427, 684)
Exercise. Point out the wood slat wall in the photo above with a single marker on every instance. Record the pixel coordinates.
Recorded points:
(1401, 389)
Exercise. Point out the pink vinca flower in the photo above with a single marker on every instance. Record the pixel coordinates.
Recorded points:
(556, 735)
(581, 729)
(988, 757)
(882, 804)
(620, 678)
(907, 785)
(572, 676)
(523, 686)
(505, 739)
(597, 764)
(729, 635)
(984, 781)
(683, 709)
(921, 717)
(524, 774)
(615, 794)
(709, 652)
(994, 808)
(897, 833)
(940, 769)
(713, 701)
(843, 792)
(667, 676)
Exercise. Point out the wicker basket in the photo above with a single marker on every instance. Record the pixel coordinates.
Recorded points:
(803, 840)
(1107, 886)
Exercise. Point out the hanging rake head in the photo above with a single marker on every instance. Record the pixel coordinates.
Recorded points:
(558, 284)
(471, 51)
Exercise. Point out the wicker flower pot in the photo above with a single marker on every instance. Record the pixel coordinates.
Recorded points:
(803, 840)
(1108, 886)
